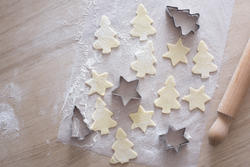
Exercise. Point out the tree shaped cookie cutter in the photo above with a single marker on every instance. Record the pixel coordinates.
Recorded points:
(79, 128)
(127, 90)
(174, 139)
(184, 15)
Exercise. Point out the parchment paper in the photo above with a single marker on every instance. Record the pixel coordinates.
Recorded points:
(214, 22)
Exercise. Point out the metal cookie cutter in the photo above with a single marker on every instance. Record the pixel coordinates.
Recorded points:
(174, 139)
(183, 19)
(127, 90)
(79, 128)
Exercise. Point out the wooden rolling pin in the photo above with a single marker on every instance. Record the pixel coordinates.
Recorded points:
(230, 103)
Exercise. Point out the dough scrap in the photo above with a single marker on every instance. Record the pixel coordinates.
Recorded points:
(142, 24)
(122, 147)
(168, 96)
(203, 61)
(105, 36)
(102, 118)
(145, 61)
(98, 83)
(177, 53)
(142, 119)
(197, 98)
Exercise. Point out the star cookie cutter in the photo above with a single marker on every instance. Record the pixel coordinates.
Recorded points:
(170, 10)
(127, 90)
(79, 128)
(174, 139)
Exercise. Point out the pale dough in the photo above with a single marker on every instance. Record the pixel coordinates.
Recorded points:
(142, 24)
(177, 53)
(98, 83)
(197, 98)
(122, 148)
(203, 61)
(142, 119)
(168, 96)
(145, 61)
(102, 118)
(105, 36)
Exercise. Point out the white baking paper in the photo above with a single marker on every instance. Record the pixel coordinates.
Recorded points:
(214, 23)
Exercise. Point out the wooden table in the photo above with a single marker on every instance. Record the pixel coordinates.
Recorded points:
(36, 56)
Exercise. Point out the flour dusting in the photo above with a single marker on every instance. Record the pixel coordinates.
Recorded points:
(8, 120)
(10, 96)
(12, 91)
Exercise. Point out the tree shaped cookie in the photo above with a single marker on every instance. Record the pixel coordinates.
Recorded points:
(142, 119)
(197, 98)
(203, 61)
(177, 53)
(168, 96)
(142, 24)
(145, 61)
(102, 118)
(122, 147)
(98, 83)
(105, 36)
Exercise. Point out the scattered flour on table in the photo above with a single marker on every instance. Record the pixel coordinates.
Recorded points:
(12, 91)
(8, 120)
(10, 97)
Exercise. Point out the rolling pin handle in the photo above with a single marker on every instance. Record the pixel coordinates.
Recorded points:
(220, 128)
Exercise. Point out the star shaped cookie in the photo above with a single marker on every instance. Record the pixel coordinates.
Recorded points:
(142, 119)
(177, 53)
(197, 98)
(98, 83)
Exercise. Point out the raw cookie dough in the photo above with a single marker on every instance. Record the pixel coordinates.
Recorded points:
(197, 98)
(168, 96)
(105, 36)
(177, 53)
(102, 118)
(145, 61)
(122, 148)
(203, 61)
(142, 24)
(98, 83)
(142, 119)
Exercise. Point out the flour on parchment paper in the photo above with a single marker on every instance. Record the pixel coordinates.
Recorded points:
(214, 20)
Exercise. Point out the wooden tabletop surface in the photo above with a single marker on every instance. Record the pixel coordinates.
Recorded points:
(36, 58)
